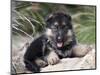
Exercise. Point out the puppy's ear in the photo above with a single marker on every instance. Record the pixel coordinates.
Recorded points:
(68, 17)
(48, 18)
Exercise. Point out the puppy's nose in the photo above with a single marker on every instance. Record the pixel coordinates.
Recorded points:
(59, 38)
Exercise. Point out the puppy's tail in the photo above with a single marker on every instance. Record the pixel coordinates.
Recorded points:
(31, 66)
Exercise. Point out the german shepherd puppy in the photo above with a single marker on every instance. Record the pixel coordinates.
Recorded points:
(55, 43)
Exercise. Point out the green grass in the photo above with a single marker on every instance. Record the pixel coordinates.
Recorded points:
(30, 19)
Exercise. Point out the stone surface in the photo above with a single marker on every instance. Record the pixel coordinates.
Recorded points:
(77, 63)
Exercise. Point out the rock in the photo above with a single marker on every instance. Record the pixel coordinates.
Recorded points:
(86, 62)
(77, 63)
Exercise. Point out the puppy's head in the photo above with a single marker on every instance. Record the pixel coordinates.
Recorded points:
(59, 28)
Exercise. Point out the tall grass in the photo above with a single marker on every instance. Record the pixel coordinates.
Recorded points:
(30, 19)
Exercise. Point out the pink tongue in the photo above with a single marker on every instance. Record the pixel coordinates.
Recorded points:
(59, 44)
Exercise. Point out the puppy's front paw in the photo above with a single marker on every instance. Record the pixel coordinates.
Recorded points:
(40, 62)
(52, 58)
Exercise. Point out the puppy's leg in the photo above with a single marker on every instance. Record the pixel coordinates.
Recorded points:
(40, 62)
(80, 50)
(31, 66)
(52, 58)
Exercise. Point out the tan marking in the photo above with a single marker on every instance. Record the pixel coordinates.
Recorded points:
(50, 15)
(56, 23)
(49, 32)
(69, 33)
(69, 37)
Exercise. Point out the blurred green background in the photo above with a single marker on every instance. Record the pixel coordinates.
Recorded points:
(28, 19)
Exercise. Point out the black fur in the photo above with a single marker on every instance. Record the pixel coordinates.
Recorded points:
(53, 44)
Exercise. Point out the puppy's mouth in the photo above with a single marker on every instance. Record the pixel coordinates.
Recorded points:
(59, 44)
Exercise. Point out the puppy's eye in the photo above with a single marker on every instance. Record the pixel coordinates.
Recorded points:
(64, 27)
(54, 28)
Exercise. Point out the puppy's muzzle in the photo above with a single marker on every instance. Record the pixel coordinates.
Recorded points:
(59, 39)
(59, 42)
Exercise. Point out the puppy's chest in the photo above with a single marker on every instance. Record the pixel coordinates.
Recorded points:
(64, 52)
